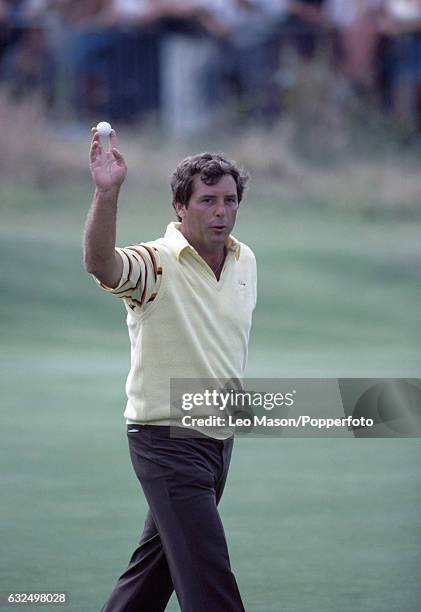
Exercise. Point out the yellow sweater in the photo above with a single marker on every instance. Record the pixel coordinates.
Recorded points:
(183, 323)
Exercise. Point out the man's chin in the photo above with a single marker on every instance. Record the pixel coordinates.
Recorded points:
(218, 235)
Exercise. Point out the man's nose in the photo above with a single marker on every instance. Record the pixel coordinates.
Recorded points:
(220, 208)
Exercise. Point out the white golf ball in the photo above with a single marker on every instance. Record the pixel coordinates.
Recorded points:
(104, 128)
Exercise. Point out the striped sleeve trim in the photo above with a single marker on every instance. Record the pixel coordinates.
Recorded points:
(131, 271)
(141, 276)
(145, 280)
(153, 259)
(125, 275)
(159, 268)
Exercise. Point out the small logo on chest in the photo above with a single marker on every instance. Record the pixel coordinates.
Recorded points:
(242, 283)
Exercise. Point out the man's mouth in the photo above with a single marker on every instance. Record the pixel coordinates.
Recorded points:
(219, 228)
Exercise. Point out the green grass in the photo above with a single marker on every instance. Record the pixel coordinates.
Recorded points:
(313, 525)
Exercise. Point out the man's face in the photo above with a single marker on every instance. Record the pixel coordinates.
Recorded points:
(210, 215)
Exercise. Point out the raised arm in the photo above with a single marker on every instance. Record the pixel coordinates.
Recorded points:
(108, 170)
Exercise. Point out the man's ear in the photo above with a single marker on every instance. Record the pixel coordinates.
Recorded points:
(180, 209)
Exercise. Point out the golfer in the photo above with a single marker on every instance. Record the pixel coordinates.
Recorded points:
(189, 298)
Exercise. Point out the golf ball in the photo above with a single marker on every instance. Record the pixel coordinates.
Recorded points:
(104, 128)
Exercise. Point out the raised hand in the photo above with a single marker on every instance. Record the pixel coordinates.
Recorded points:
(108, 168)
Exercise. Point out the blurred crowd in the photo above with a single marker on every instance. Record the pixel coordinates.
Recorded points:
(187, 60)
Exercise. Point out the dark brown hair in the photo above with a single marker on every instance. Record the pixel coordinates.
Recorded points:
(211, 167)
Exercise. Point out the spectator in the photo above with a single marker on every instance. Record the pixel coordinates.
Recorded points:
(4, 27)
(303, 25)
(248, 60)
(355, 22)
(183, 15)
(401, 23)
(27, 65)
(134, 65)
(10, 24)
(189, 32)
(114, 52)
(87, 50)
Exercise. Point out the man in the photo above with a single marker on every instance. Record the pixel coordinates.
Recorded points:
(189, 298)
